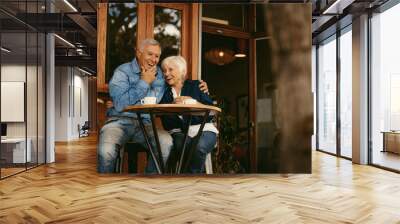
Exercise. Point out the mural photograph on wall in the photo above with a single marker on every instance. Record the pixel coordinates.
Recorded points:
(190, 88)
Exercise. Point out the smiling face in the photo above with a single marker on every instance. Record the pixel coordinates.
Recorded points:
(173, 76)
(149, 57)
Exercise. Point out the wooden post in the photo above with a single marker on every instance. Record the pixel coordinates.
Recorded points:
(101, 46)
(290, 30)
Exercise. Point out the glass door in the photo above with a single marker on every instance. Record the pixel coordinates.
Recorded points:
(267, 125)
(15, 150)
(346, 72)
(22, 87)
(227, 77)
(168, 30)
(385, 89)
(174, 26)
(327, 127)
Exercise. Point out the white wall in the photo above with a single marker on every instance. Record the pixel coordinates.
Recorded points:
(71, 102)
(33, 127)
(61, 103)
(14, 72)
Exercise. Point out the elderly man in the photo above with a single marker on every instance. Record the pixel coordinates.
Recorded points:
(130, 83)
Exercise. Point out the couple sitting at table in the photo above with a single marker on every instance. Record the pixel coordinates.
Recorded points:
(141, 78)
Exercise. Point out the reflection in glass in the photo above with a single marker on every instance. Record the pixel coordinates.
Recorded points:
(41, 99)
(23, 86)
(327, 96)
(121, 35)
(14, 152)
(346, 94)
(385, 87)
(267, 126)
(167, 30)
(31, 97)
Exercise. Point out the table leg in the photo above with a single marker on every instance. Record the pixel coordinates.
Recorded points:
(157, 143)
(179, 167)
(146, 137)
(196, 140)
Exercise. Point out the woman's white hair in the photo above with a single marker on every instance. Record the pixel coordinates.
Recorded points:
(178, 61)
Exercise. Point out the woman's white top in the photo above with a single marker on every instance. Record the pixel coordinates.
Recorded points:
(193, 129)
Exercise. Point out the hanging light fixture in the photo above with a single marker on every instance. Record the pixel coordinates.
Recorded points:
(5, 49)
(220, 56)
(241, 48)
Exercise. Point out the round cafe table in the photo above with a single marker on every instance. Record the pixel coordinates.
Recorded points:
(177, 109)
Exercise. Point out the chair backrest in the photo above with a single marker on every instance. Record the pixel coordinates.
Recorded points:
(86, 125)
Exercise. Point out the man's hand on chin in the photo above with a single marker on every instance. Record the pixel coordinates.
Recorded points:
(149, 75)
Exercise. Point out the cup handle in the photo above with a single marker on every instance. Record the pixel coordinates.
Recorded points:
(142, 101)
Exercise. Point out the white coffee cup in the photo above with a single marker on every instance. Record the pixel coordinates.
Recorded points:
(149, 100)
(189, 101)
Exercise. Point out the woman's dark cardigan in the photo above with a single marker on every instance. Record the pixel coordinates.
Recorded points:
(190, 88)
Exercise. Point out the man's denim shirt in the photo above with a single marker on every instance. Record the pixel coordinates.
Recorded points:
(126, 88)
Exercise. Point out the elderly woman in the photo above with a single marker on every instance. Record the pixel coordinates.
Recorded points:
(179, 90)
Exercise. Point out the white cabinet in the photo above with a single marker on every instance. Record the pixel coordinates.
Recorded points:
(15, 148)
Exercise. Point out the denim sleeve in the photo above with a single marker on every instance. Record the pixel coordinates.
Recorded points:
(124, 93)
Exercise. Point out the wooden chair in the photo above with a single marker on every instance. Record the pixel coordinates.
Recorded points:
(133, 159)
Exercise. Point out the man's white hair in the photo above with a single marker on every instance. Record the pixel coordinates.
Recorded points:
(178, 61)
(146, 42)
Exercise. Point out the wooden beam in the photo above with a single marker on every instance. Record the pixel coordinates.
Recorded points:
(101, 46)
(185, 34)
(149, 32)
(194, 45)
(224, 30)
(142, 23)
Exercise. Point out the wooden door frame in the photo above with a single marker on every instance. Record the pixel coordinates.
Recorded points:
(189, 30)
(253, 90)
(145, 16)
(224, 30)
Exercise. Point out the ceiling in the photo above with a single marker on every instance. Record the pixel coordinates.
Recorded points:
(330, 15)
(76, 22)
(77, 25)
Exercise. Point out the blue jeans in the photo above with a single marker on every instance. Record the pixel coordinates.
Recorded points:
(115, 134)
(206, 144)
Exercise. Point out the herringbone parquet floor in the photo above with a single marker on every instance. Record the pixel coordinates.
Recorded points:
(70, 191)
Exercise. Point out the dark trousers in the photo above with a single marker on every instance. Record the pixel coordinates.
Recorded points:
(206, 144)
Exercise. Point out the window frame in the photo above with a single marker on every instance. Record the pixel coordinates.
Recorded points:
(333, 37)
